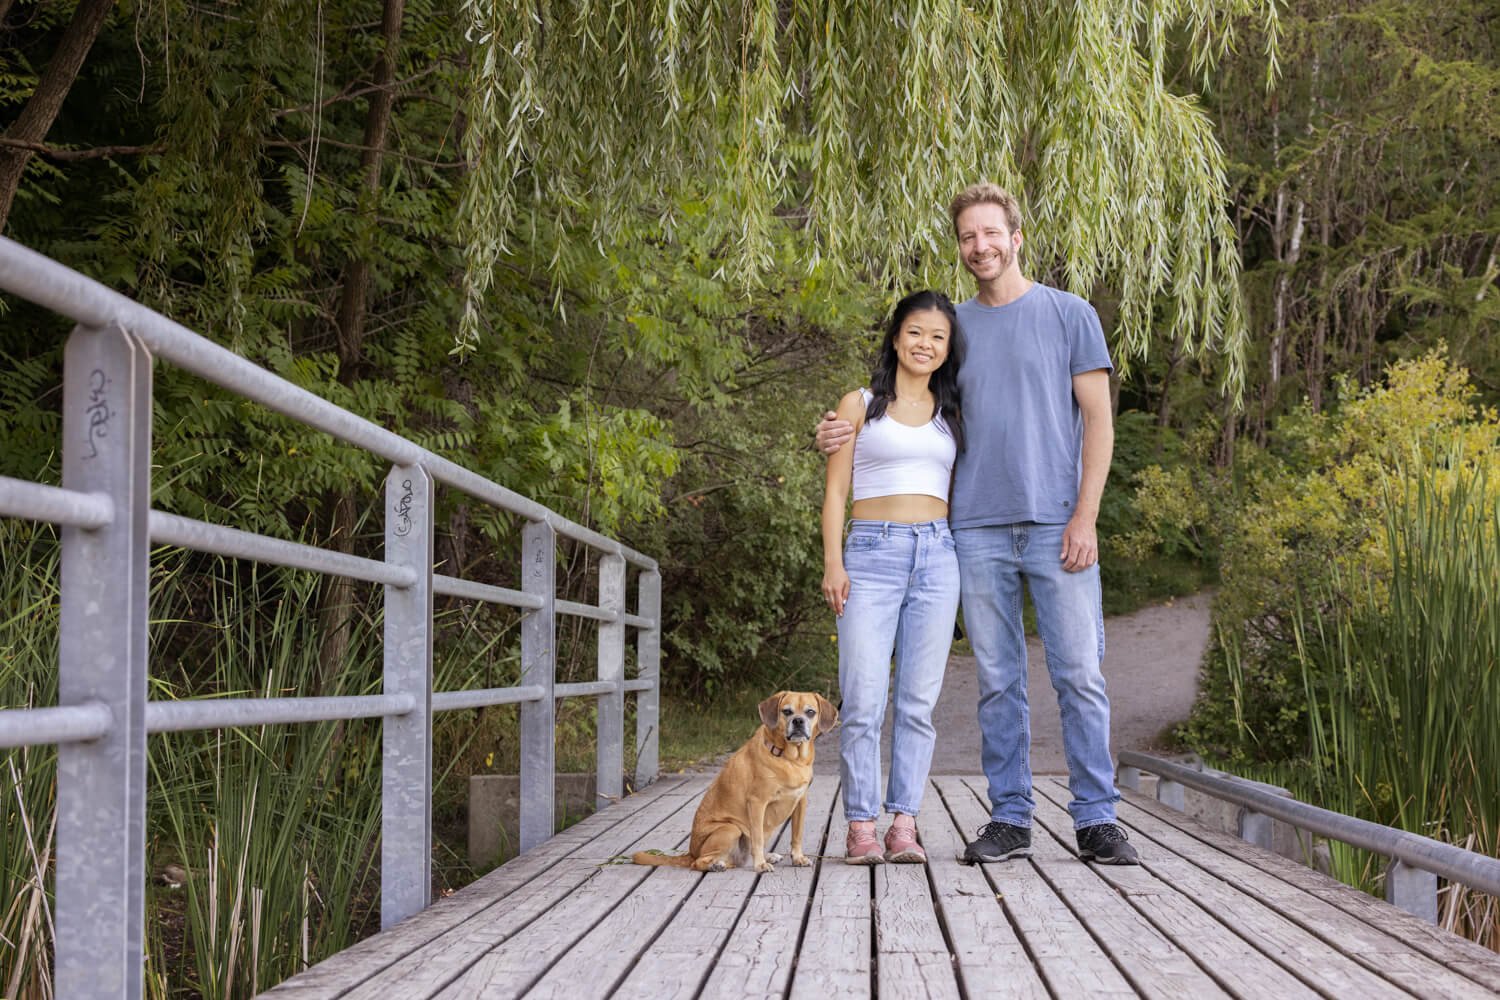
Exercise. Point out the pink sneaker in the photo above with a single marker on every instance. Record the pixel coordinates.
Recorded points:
(860, 846)
(901, 845)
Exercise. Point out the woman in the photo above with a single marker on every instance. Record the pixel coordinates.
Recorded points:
(894, 586)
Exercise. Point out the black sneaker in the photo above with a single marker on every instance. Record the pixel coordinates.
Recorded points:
(998, 842)
(1106, 844)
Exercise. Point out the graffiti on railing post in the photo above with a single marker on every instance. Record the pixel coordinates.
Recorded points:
(98, 411)
(403, 510)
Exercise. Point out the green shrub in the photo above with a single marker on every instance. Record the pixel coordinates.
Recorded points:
(1147, 551)
(1306, 510)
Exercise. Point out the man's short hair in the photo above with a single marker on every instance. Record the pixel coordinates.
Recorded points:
(986, 193)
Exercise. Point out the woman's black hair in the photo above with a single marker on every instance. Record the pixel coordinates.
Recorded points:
(944, 381)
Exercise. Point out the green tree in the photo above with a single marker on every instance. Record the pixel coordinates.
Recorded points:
(854, 124)
(1367, 194)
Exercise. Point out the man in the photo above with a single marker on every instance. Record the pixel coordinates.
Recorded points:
(1026, 492)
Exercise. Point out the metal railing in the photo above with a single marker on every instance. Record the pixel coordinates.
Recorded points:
(107, 528)
(1416, 861)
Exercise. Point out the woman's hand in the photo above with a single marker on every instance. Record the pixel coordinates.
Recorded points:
(836, 589)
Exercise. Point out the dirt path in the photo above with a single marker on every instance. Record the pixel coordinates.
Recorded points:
(1150, 667)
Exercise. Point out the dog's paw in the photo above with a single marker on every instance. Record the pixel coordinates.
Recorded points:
(717, 866)
(765, 866)
(801, 861)
(772, 857)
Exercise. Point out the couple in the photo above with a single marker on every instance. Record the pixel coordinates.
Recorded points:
(1025, 458)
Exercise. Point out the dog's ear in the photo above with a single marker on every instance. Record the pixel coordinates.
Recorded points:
(828, 716)
(770, 711)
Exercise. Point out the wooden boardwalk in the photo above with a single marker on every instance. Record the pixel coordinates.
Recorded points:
(1206, 915)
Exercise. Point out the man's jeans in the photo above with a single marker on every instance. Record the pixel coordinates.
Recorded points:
(993, 561)
(903, 598)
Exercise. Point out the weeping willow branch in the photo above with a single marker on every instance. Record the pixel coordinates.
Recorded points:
(854, 123)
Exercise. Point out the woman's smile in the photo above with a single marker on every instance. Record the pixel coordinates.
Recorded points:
(922, 344)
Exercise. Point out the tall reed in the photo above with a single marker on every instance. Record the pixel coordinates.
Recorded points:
(1402, 675)
(28, 776)
(270, 830)
(263, 841)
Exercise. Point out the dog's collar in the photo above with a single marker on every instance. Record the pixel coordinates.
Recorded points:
(776, 751)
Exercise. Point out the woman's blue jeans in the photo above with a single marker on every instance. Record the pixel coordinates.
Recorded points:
(993, 562)
(903, 599)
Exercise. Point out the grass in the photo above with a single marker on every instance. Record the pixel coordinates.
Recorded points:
(1404, 687)
(695, 734)
(698, 730)
(1129, 585)
(273, 826)
(1402, 681)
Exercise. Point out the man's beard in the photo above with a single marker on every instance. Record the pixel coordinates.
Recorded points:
(1002, 257)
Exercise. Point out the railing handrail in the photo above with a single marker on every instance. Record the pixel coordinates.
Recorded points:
(1468, 868)
(103, 716)
(45, 282)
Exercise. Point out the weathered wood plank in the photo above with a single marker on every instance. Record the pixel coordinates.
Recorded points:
(336, 975)
(911, 957)
(1152, 963)
(1468, 957)
(513, 965)
(985, 946)
(693, 948)
(448, 957)
(1206, 913)
(1380, 953)
(605, 954)
(1233, 961)
(1071, 962)
(834, 958)
(758, 957)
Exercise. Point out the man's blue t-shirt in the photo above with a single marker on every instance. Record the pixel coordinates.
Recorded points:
(1023, 432)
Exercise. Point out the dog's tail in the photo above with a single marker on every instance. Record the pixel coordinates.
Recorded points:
(656, 858)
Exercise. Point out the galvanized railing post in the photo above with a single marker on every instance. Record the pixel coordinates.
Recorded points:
(406, 751)
(610, 755)
(101, 797)
(648, 667)
(539, 668)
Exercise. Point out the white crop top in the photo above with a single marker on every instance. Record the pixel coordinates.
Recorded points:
(892, 458)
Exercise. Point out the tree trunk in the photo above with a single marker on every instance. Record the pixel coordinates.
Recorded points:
(51, 89)
(1164, 405)
(354, 303)
(1289, 251)
(336, 611)
(337, 606)
(1224, 453)
(1318, 351)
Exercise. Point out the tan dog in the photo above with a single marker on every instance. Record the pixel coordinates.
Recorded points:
(765, 781)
